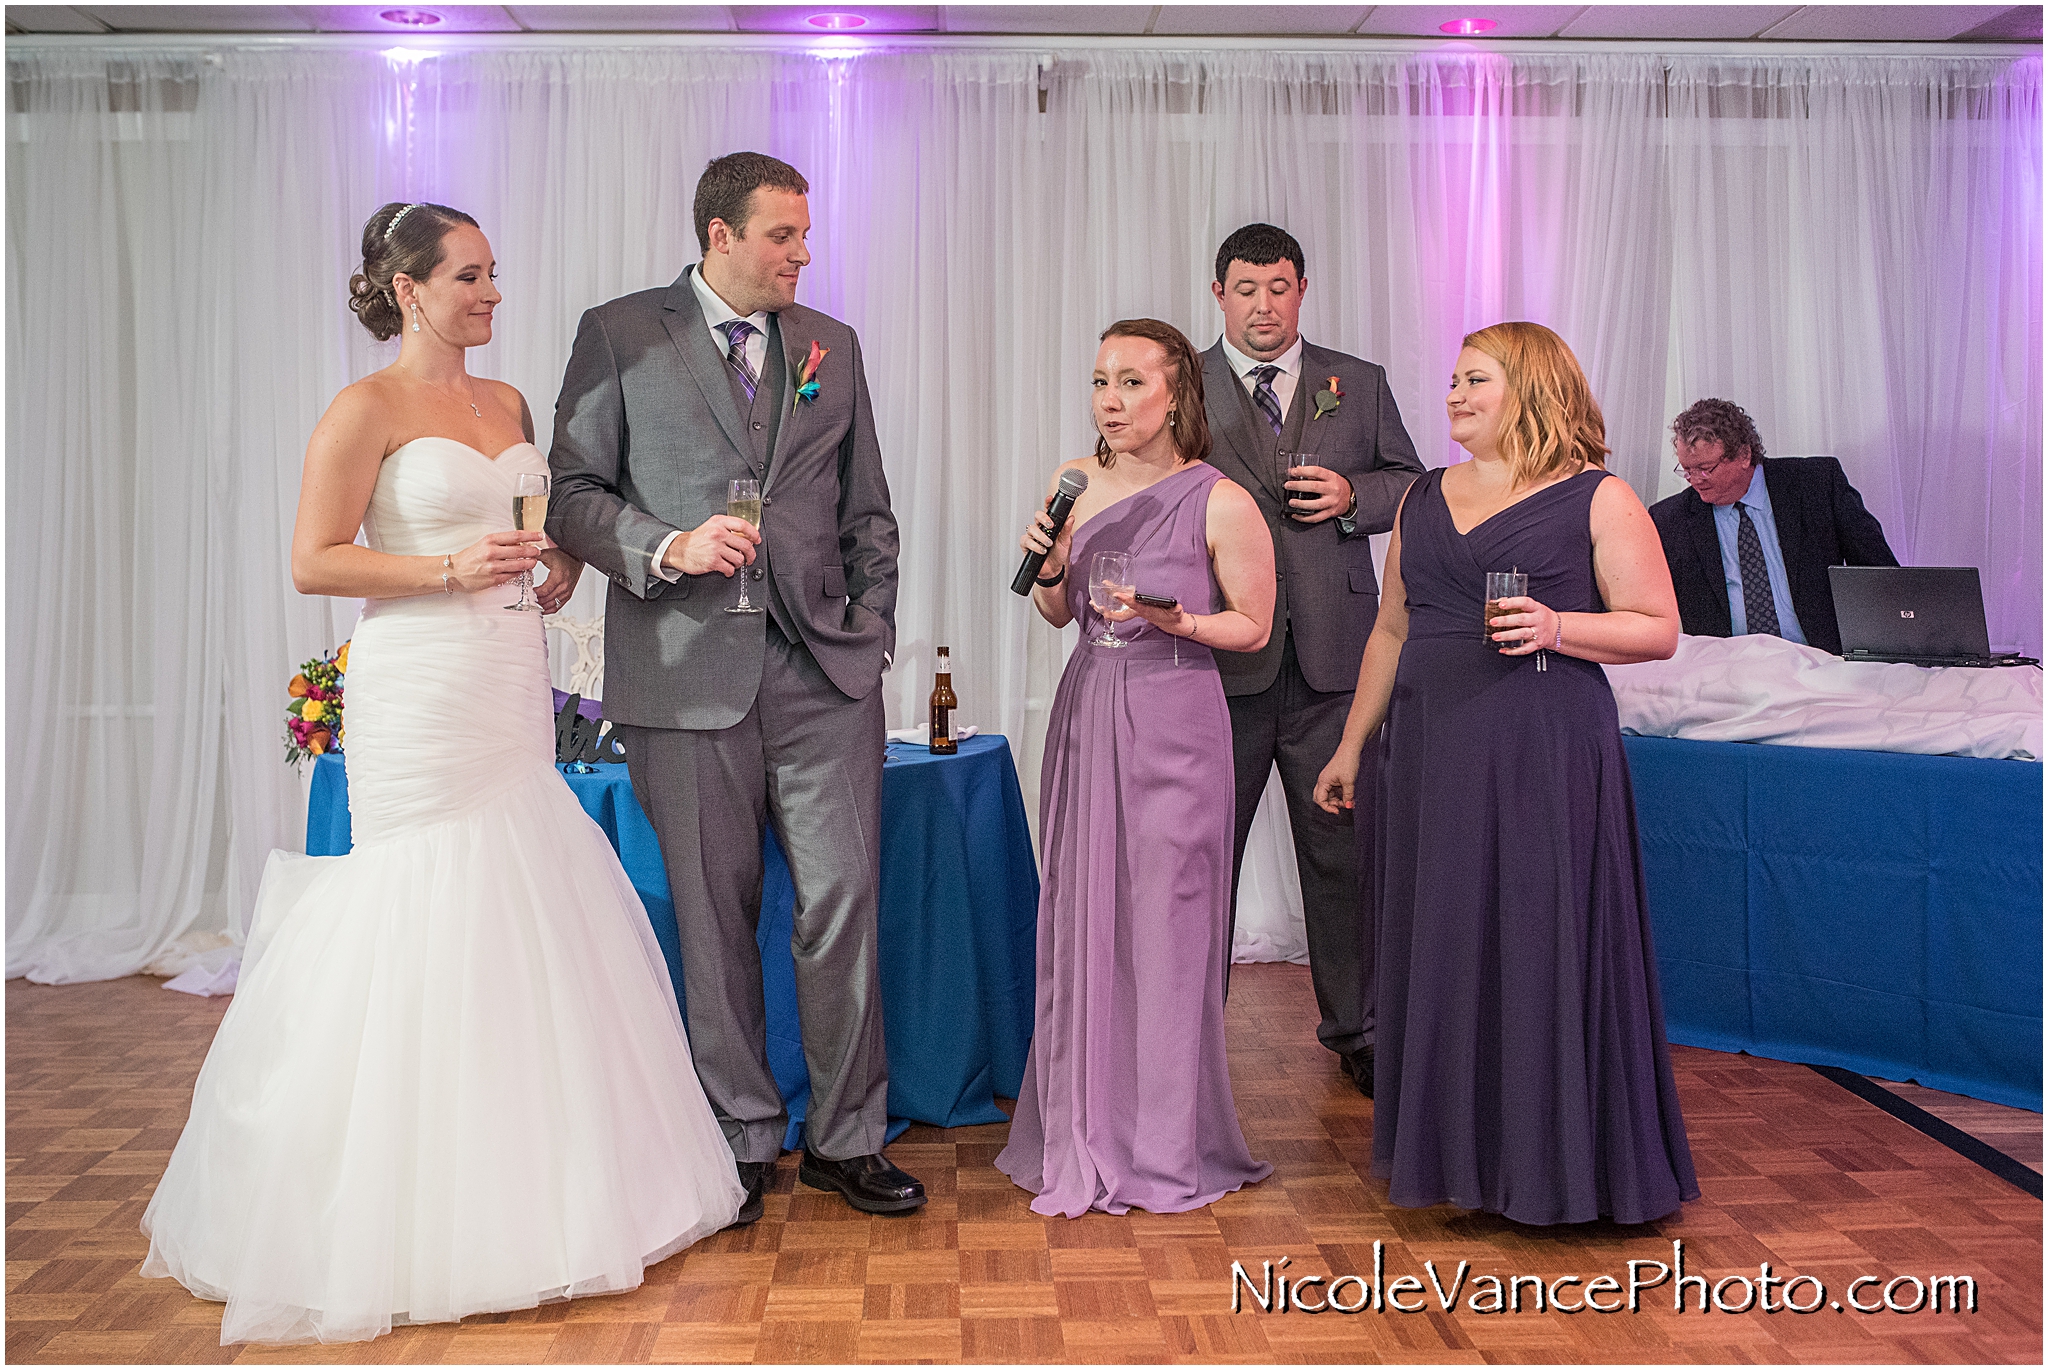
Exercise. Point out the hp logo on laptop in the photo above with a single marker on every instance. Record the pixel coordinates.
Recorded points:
(1905, 613)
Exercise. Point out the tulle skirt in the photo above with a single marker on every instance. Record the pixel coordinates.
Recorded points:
(454, 1078)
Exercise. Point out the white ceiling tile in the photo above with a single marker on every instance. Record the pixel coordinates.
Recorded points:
(1049, 19)
(1512, 21)
(795, 18)
(196, 18)
(52, 19)
(623, 18)
(1677, 22)
(1253, 20)
(1882, 23)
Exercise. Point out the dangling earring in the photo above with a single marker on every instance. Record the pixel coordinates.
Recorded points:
(1172, 418)
(415, 318)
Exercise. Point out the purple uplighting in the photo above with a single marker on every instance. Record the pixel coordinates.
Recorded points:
(837, 22)
(1467, 27)
(413, 19)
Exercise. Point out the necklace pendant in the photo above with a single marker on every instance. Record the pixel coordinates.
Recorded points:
(474, 410)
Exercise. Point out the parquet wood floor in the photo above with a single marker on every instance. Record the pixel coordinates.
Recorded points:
(1796, 1172)
(2014, 1131)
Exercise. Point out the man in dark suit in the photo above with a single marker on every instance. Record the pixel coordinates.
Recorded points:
(1750, 543)
(731, 720)
(1317, 439)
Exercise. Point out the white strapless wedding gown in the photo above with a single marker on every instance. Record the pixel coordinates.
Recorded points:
(453, 1079)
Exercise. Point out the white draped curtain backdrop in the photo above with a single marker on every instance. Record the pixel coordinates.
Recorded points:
(1848, 246)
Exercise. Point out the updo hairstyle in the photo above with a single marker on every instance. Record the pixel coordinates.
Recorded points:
(400, 239)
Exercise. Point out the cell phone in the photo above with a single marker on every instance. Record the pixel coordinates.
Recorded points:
(1156, 601)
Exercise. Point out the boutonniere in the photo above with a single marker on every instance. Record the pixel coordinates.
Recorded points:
(1328, 400)
(807, 376)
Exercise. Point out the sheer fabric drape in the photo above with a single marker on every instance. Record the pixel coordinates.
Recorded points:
(1848, 246)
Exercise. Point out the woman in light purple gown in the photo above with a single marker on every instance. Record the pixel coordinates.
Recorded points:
(1126, 1097)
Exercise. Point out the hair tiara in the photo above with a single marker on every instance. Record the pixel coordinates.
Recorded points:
(396, 220)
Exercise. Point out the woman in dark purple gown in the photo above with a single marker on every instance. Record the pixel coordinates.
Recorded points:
(1521, 1054)
(1126, 1097)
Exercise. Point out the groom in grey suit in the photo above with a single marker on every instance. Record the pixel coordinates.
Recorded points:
(1328, 467)
(734, 720)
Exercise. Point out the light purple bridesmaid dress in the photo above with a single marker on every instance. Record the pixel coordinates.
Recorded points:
(1126, 1097)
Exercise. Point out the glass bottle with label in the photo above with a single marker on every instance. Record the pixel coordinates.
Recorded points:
(943, 703)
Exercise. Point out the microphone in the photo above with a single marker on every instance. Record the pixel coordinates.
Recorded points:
(1072, 484)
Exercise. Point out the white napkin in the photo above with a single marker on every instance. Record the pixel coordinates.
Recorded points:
(922, 733)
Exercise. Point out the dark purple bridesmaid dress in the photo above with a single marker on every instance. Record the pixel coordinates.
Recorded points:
(1126, 1097)
(1521, 1054)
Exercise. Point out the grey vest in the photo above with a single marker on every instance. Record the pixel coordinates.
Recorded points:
(762, 419)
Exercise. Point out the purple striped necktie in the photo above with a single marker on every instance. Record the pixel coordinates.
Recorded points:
(1263, 396)
(737, 331)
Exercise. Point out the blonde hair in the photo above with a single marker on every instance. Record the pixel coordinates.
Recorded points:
(1550, 422)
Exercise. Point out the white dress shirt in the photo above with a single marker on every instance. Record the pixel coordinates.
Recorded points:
(717, 313)
(1284, 384)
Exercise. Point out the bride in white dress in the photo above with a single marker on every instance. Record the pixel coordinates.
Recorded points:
(454, 1078)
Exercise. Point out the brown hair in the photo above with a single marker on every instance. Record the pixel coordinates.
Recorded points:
(1189, 417)
(1724, 421)
(1550, 421)
(400, 239)
(726, 190)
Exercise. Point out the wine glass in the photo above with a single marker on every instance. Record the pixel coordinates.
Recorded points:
(529, 515)
(743, 501)
(1108, 573)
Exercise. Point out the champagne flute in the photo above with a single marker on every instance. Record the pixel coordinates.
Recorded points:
(743, 501)
(1108, 573)
(529, 515)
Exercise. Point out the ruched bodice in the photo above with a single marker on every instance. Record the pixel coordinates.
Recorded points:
(436, 496)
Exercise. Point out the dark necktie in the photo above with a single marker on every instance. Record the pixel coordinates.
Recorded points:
(1263, 396)
(1758, 604)
(737, 331)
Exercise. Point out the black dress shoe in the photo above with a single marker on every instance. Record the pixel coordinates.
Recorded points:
(870, 1183)
(1358, 1065)
(755, 1175)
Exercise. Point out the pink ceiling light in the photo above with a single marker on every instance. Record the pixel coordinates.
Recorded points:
(837, 22)
(412, 19)
(1466, 28)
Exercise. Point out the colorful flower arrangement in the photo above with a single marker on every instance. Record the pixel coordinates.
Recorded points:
(312, 722)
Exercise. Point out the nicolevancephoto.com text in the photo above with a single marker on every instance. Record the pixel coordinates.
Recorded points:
(1273, 1291)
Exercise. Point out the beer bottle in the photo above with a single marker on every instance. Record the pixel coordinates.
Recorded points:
(943, 703)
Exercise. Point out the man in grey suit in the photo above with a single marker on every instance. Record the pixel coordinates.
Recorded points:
(1317, 439)
(731, 720)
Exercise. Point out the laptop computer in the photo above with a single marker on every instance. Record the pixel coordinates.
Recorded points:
(1922, 615)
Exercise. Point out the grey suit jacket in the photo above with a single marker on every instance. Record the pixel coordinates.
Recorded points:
(1326, 593)
(647, 434)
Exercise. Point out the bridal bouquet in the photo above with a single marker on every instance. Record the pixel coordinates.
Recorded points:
(312, 721)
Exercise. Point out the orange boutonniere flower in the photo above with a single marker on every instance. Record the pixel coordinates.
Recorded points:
(1328, 400)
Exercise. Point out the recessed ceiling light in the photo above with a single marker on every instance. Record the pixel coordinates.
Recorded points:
(412, 19)
(837, 21)
(1467, 27)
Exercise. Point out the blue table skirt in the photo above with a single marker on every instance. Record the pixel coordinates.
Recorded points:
(959, 916)
(1870, 910)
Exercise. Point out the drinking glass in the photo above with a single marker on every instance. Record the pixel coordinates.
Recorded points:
(1108, 573)
(743, 501)
(1502, 585)
(1288, 461)
(529, 515)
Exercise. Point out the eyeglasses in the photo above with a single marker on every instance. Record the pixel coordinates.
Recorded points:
(1698, 472)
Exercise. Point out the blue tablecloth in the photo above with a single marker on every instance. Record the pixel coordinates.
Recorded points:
(1870, 910)
(959, 915)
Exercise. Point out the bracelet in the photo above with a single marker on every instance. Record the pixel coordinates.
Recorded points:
(1558, 644)
(1194, 626)
(1046, 583)
(447, 569)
